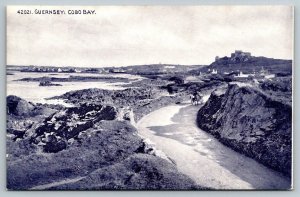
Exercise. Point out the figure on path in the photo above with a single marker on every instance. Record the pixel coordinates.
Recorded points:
(196, 98)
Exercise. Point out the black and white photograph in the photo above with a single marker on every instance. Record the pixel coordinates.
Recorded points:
(149, 97)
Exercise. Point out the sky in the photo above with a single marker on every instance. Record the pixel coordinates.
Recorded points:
(135, 35)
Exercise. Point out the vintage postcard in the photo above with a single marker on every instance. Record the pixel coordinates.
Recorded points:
(149, 97)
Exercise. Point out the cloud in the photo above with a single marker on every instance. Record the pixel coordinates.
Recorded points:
(132, 35)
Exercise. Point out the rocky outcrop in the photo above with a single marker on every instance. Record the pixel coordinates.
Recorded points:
(18, 107)
(140, 100)
(62, 127)
(250, 122)
(48, 83)
(126, 113)
(75, 78)
(23, 115)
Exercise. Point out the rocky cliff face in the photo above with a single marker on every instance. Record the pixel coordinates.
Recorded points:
(252, 123)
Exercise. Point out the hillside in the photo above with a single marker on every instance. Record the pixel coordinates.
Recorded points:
(160, 69)
(254, 64)
(242, 61)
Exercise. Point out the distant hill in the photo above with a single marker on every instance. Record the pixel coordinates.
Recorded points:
(238, 61)
(147, 69)
(243, 61)
(255, 64)
(160, 68)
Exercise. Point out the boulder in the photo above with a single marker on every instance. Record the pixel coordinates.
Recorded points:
(18, 107)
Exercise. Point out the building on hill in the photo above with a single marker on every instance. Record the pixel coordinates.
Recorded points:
(240, 53)
(266, 74)
(118, 70)
(240, 56)
(241, 75)
(214, 71)
(236, 57)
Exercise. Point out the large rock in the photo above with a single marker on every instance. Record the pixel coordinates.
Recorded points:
(23, 116)
(18, 107)
(252, 123)
(65, 125)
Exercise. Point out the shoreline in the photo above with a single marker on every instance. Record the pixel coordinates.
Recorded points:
(203, 151)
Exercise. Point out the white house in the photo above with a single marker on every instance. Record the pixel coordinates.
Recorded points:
(269, 76)
(214, 71)
(242, 75)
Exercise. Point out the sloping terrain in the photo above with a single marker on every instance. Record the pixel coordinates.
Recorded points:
(280, 67)
(277, 66)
